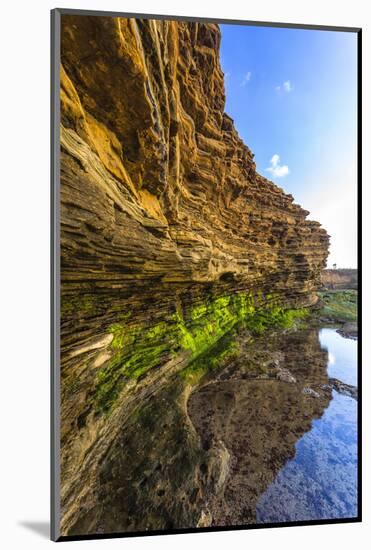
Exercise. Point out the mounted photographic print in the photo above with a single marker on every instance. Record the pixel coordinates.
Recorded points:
(205, 197)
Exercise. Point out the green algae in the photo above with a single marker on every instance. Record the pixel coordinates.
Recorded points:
(212, 359)
(136, 352)
(201, 332)
(274, 317)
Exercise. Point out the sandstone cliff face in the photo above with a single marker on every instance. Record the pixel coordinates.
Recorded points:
(165, 225)
(151, 163)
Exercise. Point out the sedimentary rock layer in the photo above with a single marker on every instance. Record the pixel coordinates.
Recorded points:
(165, 224)
(156, 183)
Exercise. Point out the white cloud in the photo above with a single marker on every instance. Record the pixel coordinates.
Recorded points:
(276, 169)
(286, 87)
(246, 79)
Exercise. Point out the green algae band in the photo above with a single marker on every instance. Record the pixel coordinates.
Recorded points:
(137, 349)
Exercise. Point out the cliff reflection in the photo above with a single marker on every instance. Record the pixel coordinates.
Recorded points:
(257, 409)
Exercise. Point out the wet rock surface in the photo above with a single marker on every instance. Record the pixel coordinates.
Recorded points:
(343, 389)
(349, 330)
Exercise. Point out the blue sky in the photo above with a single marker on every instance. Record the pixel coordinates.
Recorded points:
(293, 96)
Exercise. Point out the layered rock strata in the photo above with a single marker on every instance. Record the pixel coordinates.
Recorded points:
(169, 236)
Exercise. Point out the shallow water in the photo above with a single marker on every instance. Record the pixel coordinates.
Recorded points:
(320, 482)
(342, 355)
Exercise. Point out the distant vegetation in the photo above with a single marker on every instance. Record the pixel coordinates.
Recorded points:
(339, 306)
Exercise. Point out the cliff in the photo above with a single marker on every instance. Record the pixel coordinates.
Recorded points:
(340, 279)
(169, 236)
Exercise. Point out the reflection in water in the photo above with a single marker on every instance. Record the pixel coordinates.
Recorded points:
(258, 408)
(342, 353)
(320, 482)
(251, 432)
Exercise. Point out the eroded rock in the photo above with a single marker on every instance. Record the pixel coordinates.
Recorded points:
(166, 229)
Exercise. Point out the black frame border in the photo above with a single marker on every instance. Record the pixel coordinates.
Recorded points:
(55, 27)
